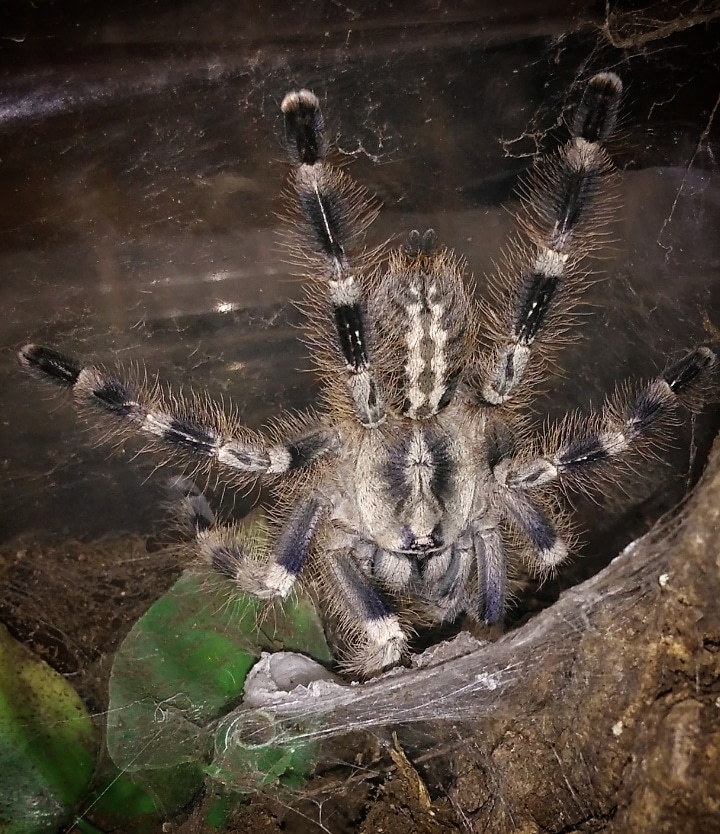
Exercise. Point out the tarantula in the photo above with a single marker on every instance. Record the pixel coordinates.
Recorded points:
(411, 482)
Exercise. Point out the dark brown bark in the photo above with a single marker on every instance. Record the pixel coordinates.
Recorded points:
(601, 714)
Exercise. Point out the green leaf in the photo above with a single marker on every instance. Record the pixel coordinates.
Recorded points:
(254, 750)
(116, 800)
(182, 668)
(47, 743)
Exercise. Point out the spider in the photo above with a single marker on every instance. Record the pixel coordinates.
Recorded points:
(419, 474)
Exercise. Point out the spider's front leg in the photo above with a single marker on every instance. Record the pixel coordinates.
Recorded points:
(375, 638)
(201, 433)
(566, 204)
(230, 551)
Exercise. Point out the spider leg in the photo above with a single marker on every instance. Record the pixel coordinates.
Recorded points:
(566, 202)
(231, 552)
(625, 424)
(375, 637)
(230, 556)
(191, 429)
(332, 213)
(190, 505)
(492, 573)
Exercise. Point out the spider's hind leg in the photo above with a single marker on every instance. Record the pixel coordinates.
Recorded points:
(567, 202)
(331, 214)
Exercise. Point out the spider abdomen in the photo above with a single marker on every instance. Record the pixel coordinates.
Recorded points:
(421, 311)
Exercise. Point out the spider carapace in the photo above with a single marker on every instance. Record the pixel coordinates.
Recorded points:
(418, 474)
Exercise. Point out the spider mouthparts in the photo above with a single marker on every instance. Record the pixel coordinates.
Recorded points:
(420, 546)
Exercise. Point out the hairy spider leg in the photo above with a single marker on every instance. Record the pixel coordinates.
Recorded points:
(375, 638)
(332, 214)
(624, 424)
(190, 505)
(492, 573)
(226, 550)
(565, 207)
(188, 428)
(199, 429)
(537, 527)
